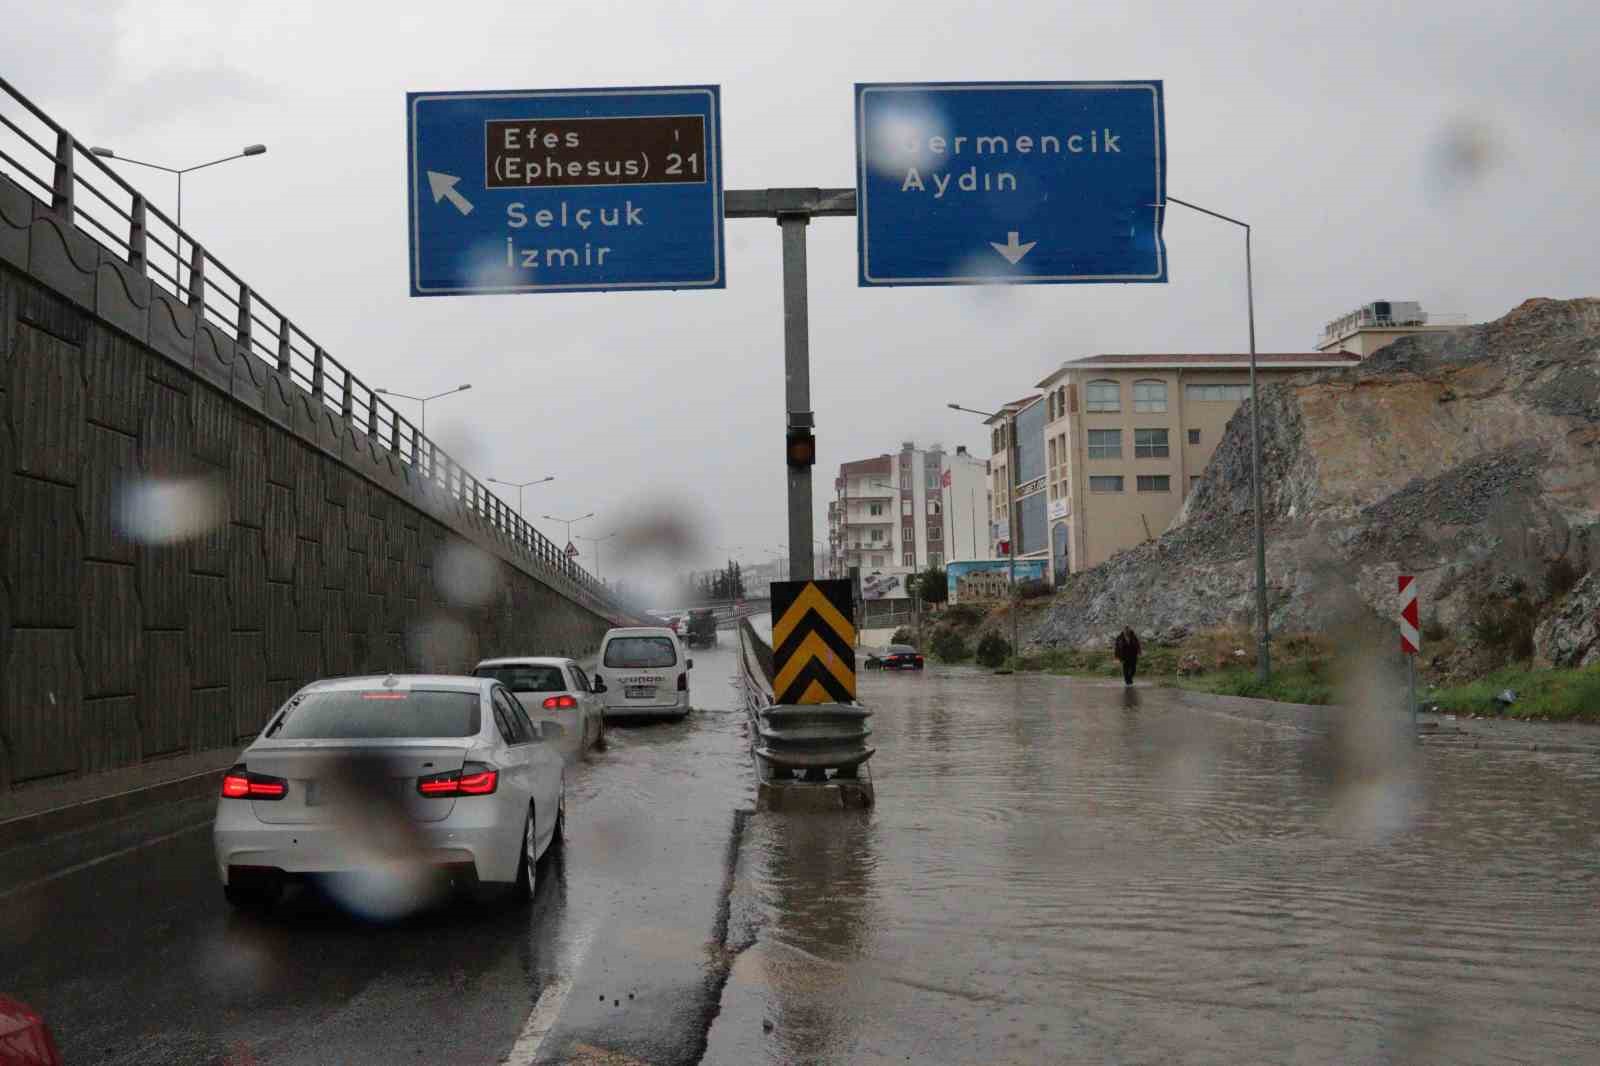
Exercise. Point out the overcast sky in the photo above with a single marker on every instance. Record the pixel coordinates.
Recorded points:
(1442, 151)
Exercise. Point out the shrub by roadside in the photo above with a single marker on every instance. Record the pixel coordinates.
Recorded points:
(949, 646)
(993, 650)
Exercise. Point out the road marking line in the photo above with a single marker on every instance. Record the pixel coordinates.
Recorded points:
(119, 853)
(547, 1008)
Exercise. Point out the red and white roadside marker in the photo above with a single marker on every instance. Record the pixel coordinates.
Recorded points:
(1410, 637)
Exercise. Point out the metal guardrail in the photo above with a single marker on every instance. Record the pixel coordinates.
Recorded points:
(807, 742)
(118, 218)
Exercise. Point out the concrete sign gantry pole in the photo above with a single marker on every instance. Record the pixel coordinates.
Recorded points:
(794, 209)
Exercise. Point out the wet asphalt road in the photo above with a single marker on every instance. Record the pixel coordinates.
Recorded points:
(1056, 871)
(139, 960)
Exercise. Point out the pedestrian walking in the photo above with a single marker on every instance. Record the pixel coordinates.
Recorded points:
(1127, 649)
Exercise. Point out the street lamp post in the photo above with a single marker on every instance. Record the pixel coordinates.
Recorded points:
(1263, 654)
(570, 522)
(594, 542)
(1013, 516)
(247, 150)
(519, 486)
(423, 400)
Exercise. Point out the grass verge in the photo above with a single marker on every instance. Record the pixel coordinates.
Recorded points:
(1556, 695)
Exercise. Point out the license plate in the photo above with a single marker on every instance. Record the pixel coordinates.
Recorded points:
(640, 692)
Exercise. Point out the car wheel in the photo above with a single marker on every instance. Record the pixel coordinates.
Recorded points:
(528, 865)
(600, 738)
(558, 835)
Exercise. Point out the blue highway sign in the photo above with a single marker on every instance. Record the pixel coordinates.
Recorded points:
(565, 190)
(1033, 182)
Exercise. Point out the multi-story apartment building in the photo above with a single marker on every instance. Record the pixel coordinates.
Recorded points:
(1000, 481)
(1122, 439)
(903, 512)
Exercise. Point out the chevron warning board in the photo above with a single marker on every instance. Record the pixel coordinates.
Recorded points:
(813, 642)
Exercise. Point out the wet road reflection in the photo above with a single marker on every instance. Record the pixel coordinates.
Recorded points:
(138, 960)
(1067, 871)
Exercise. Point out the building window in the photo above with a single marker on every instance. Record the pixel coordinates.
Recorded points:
(876, 509)
(905, 506)
(935, 559)
(1054, 462)
(1105, 444)
(1194, 436)
(905, 481)
(935, 532)
(877, 560)
(1213, 393)
(935, 507)
(1150, 444)
(1154, 483)
(909, 559)
(1102, 397)
(1194, 479)
(1150, 397)
(1105, 484)
(875, 535)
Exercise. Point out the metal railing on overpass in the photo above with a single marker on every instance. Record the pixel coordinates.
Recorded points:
(120, 220)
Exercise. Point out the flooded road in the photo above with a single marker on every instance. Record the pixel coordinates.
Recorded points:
(1061, 871)
(1056, 871)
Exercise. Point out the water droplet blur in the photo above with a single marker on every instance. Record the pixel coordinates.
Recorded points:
(901, 138)
(465, 575)
(1464, 150)
(157, 510)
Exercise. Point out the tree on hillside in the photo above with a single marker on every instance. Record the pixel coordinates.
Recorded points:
(932, 585)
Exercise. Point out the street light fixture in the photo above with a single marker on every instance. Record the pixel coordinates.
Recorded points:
(248, 150)
(519, 486)
(423, 400)
(594, 542)
(1013, 515)
(570, 522)
(1263, 654)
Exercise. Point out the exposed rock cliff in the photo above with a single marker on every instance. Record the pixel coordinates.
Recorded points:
(1469, 458)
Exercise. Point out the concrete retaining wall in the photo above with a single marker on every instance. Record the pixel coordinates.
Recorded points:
(316, 552)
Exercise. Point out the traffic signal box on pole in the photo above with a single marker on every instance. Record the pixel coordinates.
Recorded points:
(813, 642)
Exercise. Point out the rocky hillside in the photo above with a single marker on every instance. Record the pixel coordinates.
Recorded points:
(1470, 458)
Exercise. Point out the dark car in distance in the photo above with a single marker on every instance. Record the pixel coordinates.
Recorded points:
(896, 657)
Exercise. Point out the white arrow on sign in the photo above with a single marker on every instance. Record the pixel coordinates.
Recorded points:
(1011, 249)
(444, 188)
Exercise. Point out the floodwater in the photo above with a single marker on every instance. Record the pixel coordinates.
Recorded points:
(1065, 871)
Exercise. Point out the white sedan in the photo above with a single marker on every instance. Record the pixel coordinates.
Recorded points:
(555, 690)
(388, 788)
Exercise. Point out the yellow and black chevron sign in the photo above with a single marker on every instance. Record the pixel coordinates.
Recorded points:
(813, 642)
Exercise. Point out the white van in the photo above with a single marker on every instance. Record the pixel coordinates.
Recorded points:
(645, 672)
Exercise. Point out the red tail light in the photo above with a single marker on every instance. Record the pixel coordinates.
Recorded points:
(559, 703)
(683, 682)
(473, 779)
(239, 783)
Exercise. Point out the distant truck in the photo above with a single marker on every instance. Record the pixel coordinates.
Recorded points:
(700, 628)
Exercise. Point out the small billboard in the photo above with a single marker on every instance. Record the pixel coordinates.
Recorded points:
(988, 580)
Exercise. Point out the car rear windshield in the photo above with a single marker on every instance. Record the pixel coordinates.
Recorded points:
(525, 678)
(902, 649)
(641, 653)
(381, 713)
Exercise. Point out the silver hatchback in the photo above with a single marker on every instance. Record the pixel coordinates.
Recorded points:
(384, 788)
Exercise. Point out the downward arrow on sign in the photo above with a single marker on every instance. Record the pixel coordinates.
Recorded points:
(444, 188)
(1011, 249)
